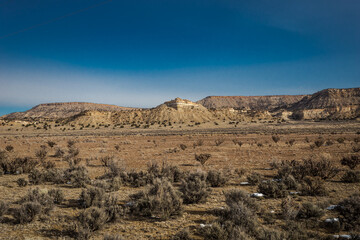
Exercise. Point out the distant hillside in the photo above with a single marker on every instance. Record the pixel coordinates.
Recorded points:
(267, 103)
(329, 104)
(61, 110)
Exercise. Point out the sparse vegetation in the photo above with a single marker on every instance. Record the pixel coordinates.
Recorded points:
(202, 158)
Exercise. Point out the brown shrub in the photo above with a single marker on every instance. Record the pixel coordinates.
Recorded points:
(273, 189)
(254, 178)
(350, 212)
(217, 178)
(313, 186)
(219, 141)
(351, 161)
(310, 210)
(275, 138)
(202, 158)
(194, 188)
(351, 177)
(27, 212)
(160, 200)
(22, 182)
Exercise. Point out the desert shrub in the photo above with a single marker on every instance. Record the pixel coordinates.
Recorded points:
(51, 143)
(313, 186)
(92, 219)
(356, 149)
(17, 165)
(310, 210)
(112, 209)
(340, 140)
(91, 196)
(184, 234)
(295, 231)
(237, 142)
(27, 212)
(59, 153)
(70, 143)
(41, 154)
(136, 179)
(319, 142)
(54, 175)
(77, 176)
(9, 148)
(36, 177)
(194, 188)
(4, 207)
(160, 200)
(172, 173)
(350, 212)
(202, 157)
(198, 143)
(291, 142)
(216, 178)
(40, 196)
(254, 178)
(239, 172)
(106, 160)
(290, 182)
(183, 147)
(48, 164)
(273, 189)
(275, 138)
(323, 168)
(22, 182)
(289, 208)
(351, 177)
(236, 196)
(219, 141)
(57, 195)
(351, 161)
(225, 231)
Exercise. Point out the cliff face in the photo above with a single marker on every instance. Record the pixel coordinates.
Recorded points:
(264, 103)
(329, 104)
(54, 111)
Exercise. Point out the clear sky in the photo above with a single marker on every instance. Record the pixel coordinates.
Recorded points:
(142, 53)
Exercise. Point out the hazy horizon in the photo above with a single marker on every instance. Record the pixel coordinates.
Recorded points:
(140, 54)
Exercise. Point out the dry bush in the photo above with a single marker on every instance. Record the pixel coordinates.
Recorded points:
(198, 143)
(219, 141)
(70, 143)
(254, 178)
(273, 189)
(356, 149)
(90, 220)
(194, 188)
(313, 186)
(172, 173)
(236, 196)
(310, 210)
(105, 161)
(217, 178)
(350, 212)
(27, 212)
(40, 196)
(160, 200)
(91, 196)
(240, 172)
(351, 161)
(323, 168)
(340, 140)
(237, 142)
(319, 142)
(57, 195)
(290, 182)
(77, 176)
(18, 165)
(184, 234)
(51, 143)
(4, 207)
(183, 147)
(41, 154)
(291, 142)
(59, 153)
(351, 177)
(9, 148)
(202, 158)
(289, 208)
(112, 208)
(275, 138)
(22, 182)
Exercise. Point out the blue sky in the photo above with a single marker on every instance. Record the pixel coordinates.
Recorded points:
(142, 53)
